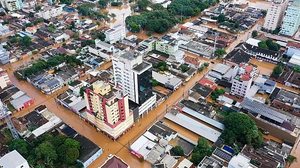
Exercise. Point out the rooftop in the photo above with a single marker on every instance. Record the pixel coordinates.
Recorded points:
(13, 159)
(141, 67)
(114, 162)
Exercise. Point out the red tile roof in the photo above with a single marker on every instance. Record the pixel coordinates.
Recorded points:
(114, 162)
(206, 82)
(293, 44)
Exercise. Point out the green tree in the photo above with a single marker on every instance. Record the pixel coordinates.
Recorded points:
(184, 68)
(277, 71)
(154, 82)
(221, 18)
(220, 52)
(241, 134)
(103, 3)
(201, 150)
(215, 94)
(25, 41)
(291, 159)
(46, 151)
(254, 33)
(143, 4)
(71, 156)
(177, 151)
(67, 2)
(20, 145)
(297, 68)
(263, 45)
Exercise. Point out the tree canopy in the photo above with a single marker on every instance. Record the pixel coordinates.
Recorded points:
(200, 151)
(68, 2)
(277, 71)
(269, 44)
(220, 52)
(254, 33)
(103, 3)
(240, 129)
(177, 151)
(48, 151)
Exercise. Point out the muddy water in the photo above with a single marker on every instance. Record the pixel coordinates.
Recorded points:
(120, 14)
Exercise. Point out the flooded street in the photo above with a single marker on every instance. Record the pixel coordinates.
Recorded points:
(120, 14)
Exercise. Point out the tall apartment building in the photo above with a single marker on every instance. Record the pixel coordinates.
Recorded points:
(108, 109)
(132, 75)
(11, 5)
(115, 34)
(275, 14)
(241, 83)
(291, 20)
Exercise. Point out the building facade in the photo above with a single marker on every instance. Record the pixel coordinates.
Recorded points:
(49, 12)
(275, 14)
(115, 34)
(132, 75)
(4, 79)
(241, 83)
(291, 20)
(4, 55)
(11, 5)
(107, 109)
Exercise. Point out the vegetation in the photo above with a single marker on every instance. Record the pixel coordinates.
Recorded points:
(296, 69)
(48, 151)
(67, 2)
(41, 65)
(103, 3)
(98, 35)
(290, 159)
(215, 94)
(51, 28)
(162, 66)
(276, 31)
(203, 66)
(277, 71)
(87, 42)
(254, 33)
(143, 4)
(269, 44)
(177, 151)
(239, 134)
(201, 150)
(154, 82)
(21, 41)
(184, 68)
(158, 21)
(86, 9)
(220, 52)
(189, 7)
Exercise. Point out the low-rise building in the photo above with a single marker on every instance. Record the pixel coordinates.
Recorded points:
(12, 5)
(168, 80)
(4, 79)
(115, 162)
(287, 101)
(49, 12)
(13, 159)
(4, 55)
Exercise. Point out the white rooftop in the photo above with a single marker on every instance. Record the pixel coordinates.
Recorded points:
(13, 160)
(239, 161)
(141, 144)
(194, 126)
(253, 42)
(295, 60)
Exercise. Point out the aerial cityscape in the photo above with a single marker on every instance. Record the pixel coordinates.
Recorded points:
(149, 83)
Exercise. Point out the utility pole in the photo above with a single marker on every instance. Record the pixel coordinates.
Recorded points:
(5, 115)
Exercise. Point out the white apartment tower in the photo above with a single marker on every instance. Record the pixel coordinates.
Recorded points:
(132, 75)
(108, 109)
(11, 5)
(241, 83)
(275, 14)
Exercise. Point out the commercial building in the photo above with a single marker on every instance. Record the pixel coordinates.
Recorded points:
(11, 5)
(108, 109)
(275, 14)
(13, 159)
(287, 101)
(4, 79)
(115, 34)
(4, 55)
(132, 75)
(241, 83)
(291, 20)
(49, 12)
